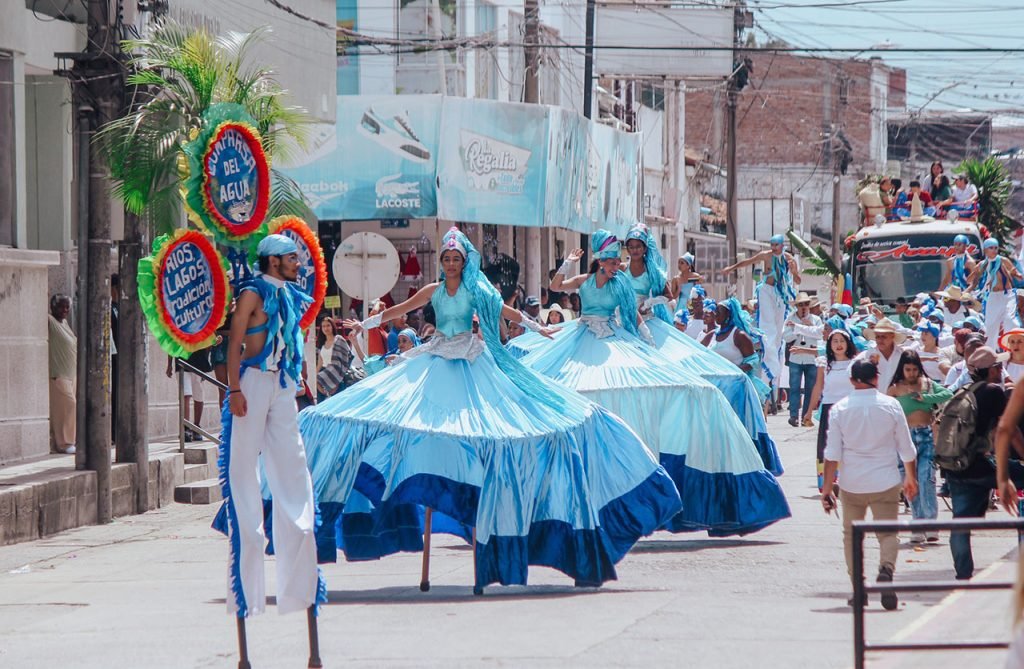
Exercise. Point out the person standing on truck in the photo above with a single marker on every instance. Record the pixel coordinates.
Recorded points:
(774, 295)
(994, 278)
(960, 266)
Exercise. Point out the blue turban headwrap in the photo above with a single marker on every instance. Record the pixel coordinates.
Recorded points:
(276, 245)
(929, 327)
(688, 257)
(697, 292)
(682, 316)
(845, 310)
(990, 244)
(411, 334)
(655, 266)
(975, 321)
(777, 239)
(710, 305)
(961, 239)
(604, 245)
(836, 323)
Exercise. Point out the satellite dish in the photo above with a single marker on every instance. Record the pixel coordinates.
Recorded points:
(365, 266)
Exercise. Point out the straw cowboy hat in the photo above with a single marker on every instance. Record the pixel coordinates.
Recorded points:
(802, 298)
(885, 326)
(956, 294)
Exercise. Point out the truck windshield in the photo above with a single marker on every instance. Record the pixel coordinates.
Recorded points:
(887, 281)
(887, 268)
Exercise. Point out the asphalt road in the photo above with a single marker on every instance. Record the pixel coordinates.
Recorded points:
(149, 591)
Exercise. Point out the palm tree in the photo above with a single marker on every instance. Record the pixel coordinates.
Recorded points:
(184, 71)
(994, 185)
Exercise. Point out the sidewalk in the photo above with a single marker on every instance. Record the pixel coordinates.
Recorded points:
(47, 496)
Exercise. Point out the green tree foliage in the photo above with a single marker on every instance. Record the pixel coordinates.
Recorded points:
(183, 71)
(994, 185)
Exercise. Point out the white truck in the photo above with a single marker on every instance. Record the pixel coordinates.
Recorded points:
(904, 258)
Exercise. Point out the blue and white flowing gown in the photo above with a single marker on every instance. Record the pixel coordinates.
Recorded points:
(737, 387)
(684, 419)
(563, 484)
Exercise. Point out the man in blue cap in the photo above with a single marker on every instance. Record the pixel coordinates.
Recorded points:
(994, 277)
(774, 295)
(262, 420)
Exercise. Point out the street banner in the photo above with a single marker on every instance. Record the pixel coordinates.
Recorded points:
(492, 162)
(392, 158)
(183, 288)
(378, 161)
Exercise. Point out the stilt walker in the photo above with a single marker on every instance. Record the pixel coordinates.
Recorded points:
(262, 421)
(774, 295)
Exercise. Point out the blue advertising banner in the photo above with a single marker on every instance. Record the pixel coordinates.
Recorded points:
(492, 163)
(379, 162)
(392, 158)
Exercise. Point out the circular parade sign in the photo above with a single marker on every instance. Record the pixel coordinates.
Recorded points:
(184, 291)
(312, 278)
(228, 183)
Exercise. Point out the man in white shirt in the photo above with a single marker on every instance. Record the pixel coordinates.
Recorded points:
(867, 433)
(802, 356)
(964, 194)
(889, 339)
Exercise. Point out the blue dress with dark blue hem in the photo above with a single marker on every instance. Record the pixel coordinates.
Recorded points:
(737, 387)
(684, 419)
(567, 486)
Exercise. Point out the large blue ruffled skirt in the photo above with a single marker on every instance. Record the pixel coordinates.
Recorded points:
(737, 387)
(699, 440)
(569, 487)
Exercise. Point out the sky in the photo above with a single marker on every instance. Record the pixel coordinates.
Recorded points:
(936, 81)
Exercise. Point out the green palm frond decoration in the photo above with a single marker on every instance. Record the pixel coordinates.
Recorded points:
(821, 263)
(994, 184)
(184, 71)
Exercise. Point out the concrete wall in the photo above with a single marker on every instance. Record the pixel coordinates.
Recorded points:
(24, 359)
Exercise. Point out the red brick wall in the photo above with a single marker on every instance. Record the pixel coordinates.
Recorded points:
(782, 113)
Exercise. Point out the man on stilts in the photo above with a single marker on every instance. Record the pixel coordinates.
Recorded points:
(261, 420)
(774, 295)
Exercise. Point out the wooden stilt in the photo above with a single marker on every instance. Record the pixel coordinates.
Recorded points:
(314, 638)
(477, 588)
(243, 647)
(425, 574)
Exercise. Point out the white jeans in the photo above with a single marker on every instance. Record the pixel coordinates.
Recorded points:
(771, 319)
(269, 427)
(999, 313)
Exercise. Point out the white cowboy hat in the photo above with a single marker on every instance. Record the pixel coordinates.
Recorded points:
(956, 294)
(885, 326)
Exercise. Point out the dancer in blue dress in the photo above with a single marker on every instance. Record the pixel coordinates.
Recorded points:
(647, 275)
(458, 425)
(686, 420)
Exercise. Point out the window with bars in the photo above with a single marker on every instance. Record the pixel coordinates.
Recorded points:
(429, 71)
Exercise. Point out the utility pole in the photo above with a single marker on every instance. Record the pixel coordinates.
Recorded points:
(737, 81)
(97, 81)
(588, 95)
(531, 94)
(837, 152)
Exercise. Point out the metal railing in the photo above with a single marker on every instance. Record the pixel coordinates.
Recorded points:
(180, 367)
(861, 589)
